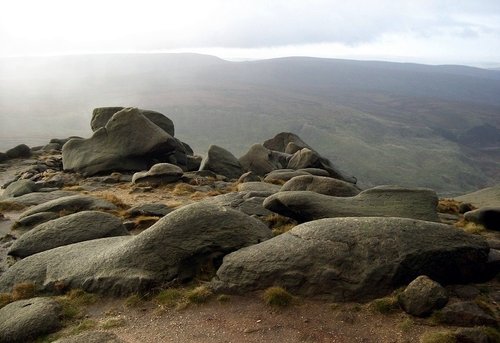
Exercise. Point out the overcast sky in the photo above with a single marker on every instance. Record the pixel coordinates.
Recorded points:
(437, 32)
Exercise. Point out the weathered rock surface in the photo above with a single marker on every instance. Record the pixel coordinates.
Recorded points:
(489, 217)
(39, 198)
(258, 187)
(33, 220)
(465, 313)
(246, 202)
(25, 320)
(171, 250)
(260, 160)
(73, 203)
(102, 115)
(20, 187)
(354, 258)
(73, 228)
(290, 143)
(129, 141)
(222, 162)
(283, 175)
(422, 296)
(150, 209)
(382, 201)
(161, 173)
(92, 337)
(249, 177)
(321, 185)
(21, 150)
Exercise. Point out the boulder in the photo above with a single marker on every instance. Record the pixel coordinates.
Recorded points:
(354, 259)
(21, 150)
(258, 187)
(92, 337)
(473, 335)
(222, 162)
(382, 201)
(102, 115)
(422, 296)
(129, 141)
(39, 198)
(290, 143)
(315, 171)
(193, 163)
(73, 228)
(489, 217)
(322, 185)
(20, 187)
(249, 177)
(172, 250)
(259, 160)
(73, 203)
(466, 313)
(28, 222)
(152, 209)
(247, 202)
(161, 173)
(281, 176)
(26, 320)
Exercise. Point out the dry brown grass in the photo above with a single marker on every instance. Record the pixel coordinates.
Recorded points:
(11, 206)
(74, 188)
(5, 298)
(470, 227)
(276, 182)
(143, 222)
(23, 290)
(279, 224)
(181, 189)
(277, 296)
(448, 206)
(113, 199)
(202, 195)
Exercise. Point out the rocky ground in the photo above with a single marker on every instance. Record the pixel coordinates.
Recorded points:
(276, 246)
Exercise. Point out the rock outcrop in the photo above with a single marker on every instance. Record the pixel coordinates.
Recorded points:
(355, 258)
(171, 250)
(321, 185)
(222, 162)
(128, 141)
(489, 217)
(383, 201)
(25, 320)
(73, 228)
(161, 173)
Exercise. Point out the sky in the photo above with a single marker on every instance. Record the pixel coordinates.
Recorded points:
(423, 31)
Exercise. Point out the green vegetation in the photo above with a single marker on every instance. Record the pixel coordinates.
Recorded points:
(199, 295)
(134, 300)
(438, 337)
(114, 322)
(277, 296)
(169, 297)
(385, 305)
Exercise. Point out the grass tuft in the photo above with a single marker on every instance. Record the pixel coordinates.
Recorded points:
(84, 325)
(202, 195)
(24, 290)
(223, 298)
(385, 305)
(169, 297)
(114, 200)
(134, 300)
(277, 296)
(113, 322)
(183, 189)
(5, 298)
(279, 224)
(199, 295)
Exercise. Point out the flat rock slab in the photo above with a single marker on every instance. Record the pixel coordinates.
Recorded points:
(25, 320)
(247, 202)
(39, 197)
(160, 173)
(382, 201)
(321, 185)
(73, 228)
(173, 249)
(354, 259)
(72, 203)
(255, 186)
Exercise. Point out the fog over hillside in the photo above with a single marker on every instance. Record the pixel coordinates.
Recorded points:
(386, 123)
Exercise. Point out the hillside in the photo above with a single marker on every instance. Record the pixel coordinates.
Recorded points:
(407, 124)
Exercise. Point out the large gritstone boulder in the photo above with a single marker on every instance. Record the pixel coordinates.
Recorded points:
(222, 162)
(101, 116)
(128, 141)
(382, 201)
(172, 250)
(73, 228)
(321, 185)
(355, 259)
